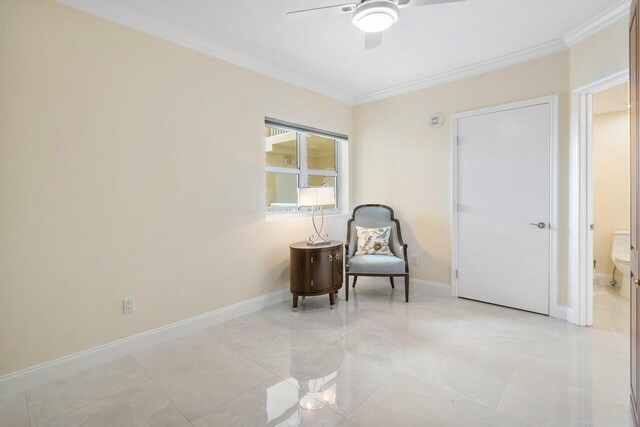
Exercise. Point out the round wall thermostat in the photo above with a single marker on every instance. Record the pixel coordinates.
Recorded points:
(436, 120)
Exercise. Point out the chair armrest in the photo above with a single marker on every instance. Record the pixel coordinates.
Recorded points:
(348, 253)
(398, 247)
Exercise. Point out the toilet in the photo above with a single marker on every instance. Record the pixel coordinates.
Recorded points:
(620, 256)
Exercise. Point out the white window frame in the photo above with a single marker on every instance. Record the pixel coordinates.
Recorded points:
(302, 171)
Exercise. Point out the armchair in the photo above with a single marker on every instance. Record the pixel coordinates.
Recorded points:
(374, 216)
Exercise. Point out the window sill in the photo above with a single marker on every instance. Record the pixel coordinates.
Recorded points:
(284, 216)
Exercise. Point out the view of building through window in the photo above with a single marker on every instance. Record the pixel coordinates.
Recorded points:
(296, 159)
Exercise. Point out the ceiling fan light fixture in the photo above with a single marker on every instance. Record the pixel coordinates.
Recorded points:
(375, 16)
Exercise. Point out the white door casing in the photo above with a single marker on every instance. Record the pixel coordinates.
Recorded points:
(581, 199)
(504, 180)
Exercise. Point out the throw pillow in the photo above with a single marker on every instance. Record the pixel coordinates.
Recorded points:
(373, 241)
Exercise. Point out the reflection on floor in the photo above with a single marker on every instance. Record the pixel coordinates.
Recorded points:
(372, 361)
(610, 310)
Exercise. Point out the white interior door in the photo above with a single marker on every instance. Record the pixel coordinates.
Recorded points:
(504, 210)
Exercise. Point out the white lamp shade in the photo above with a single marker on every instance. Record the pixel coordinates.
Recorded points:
(316, 196)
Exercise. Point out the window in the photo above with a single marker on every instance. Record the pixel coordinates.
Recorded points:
(297, 157)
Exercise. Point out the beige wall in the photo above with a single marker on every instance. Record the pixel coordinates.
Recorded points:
(610, 183)
(130, 166)
(400, 161)
(600, 56)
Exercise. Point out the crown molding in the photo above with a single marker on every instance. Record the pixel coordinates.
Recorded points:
(618, 11)
(481, 67)
(166, 32)
(610, 16)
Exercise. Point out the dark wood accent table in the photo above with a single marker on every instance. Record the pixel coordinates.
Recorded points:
(316, 270)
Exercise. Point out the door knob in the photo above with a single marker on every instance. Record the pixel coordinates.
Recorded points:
(539, 225)
(637, 282)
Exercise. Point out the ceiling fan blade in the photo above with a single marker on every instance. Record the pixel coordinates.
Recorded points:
(414, 3)
(372, 40)
(319, 12)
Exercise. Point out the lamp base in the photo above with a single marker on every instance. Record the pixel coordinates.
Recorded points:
(319, 239)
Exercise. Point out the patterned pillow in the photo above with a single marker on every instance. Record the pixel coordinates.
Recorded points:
(373, 241)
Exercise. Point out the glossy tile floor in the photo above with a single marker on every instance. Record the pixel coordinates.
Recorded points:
(372, 361)
(611, 311)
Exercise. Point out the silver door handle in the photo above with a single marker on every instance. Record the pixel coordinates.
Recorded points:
(539, 225)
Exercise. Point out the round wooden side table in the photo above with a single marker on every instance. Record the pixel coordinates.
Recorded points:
(316, 270)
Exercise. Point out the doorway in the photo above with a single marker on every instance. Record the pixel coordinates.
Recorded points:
(504, 214)
(610, 208)
(598, 137)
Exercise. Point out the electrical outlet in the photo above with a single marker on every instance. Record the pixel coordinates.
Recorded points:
(415, 260)
(128, 305)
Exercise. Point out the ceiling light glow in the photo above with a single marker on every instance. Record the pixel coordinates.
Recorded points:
(375, 16)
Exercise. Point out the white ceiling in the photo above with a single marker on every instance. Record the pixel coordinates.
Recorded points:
(610, 100)
(328, 55)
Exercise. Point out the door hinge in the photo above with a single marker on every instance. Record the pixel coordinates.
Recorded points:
(311, 260)
(458, 140)
(591, 227)
(456, 274)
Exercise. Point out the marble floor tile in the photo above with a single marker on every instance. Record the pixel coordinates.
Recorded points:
(261, 338)
(141, 405)
(272, 403)
(13, 411)
(611, 311)
(314, 317)
(373, 360)
(342, 422)
(483, 327)
(537, 400)
(254, 329)
(603, 343)
(317, 367)
(406, 401)
(401, 351)
(199, 373)
(340, 383)
(564, 363)
(473, 375)
(414, 319)
(62, 396)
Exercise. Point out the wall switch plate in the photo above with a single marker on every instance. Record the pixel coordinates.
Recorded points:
(128, 305)
(415, 260)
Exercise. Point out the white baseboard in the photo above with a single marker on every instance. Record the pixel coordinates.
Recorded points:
(562, 312)
(34, 376)
(435, 288)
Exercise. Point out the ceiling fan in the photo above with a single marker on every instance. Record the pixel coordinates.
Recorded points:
(370, 16)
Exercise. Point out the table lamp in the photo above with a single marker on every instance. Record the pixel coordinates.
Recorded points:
(317, 197)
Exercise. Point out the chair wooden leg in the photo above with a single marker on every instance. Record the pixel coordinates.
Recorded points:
(346, 289)
(391, 280)
(355, 279)
(406, 288)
